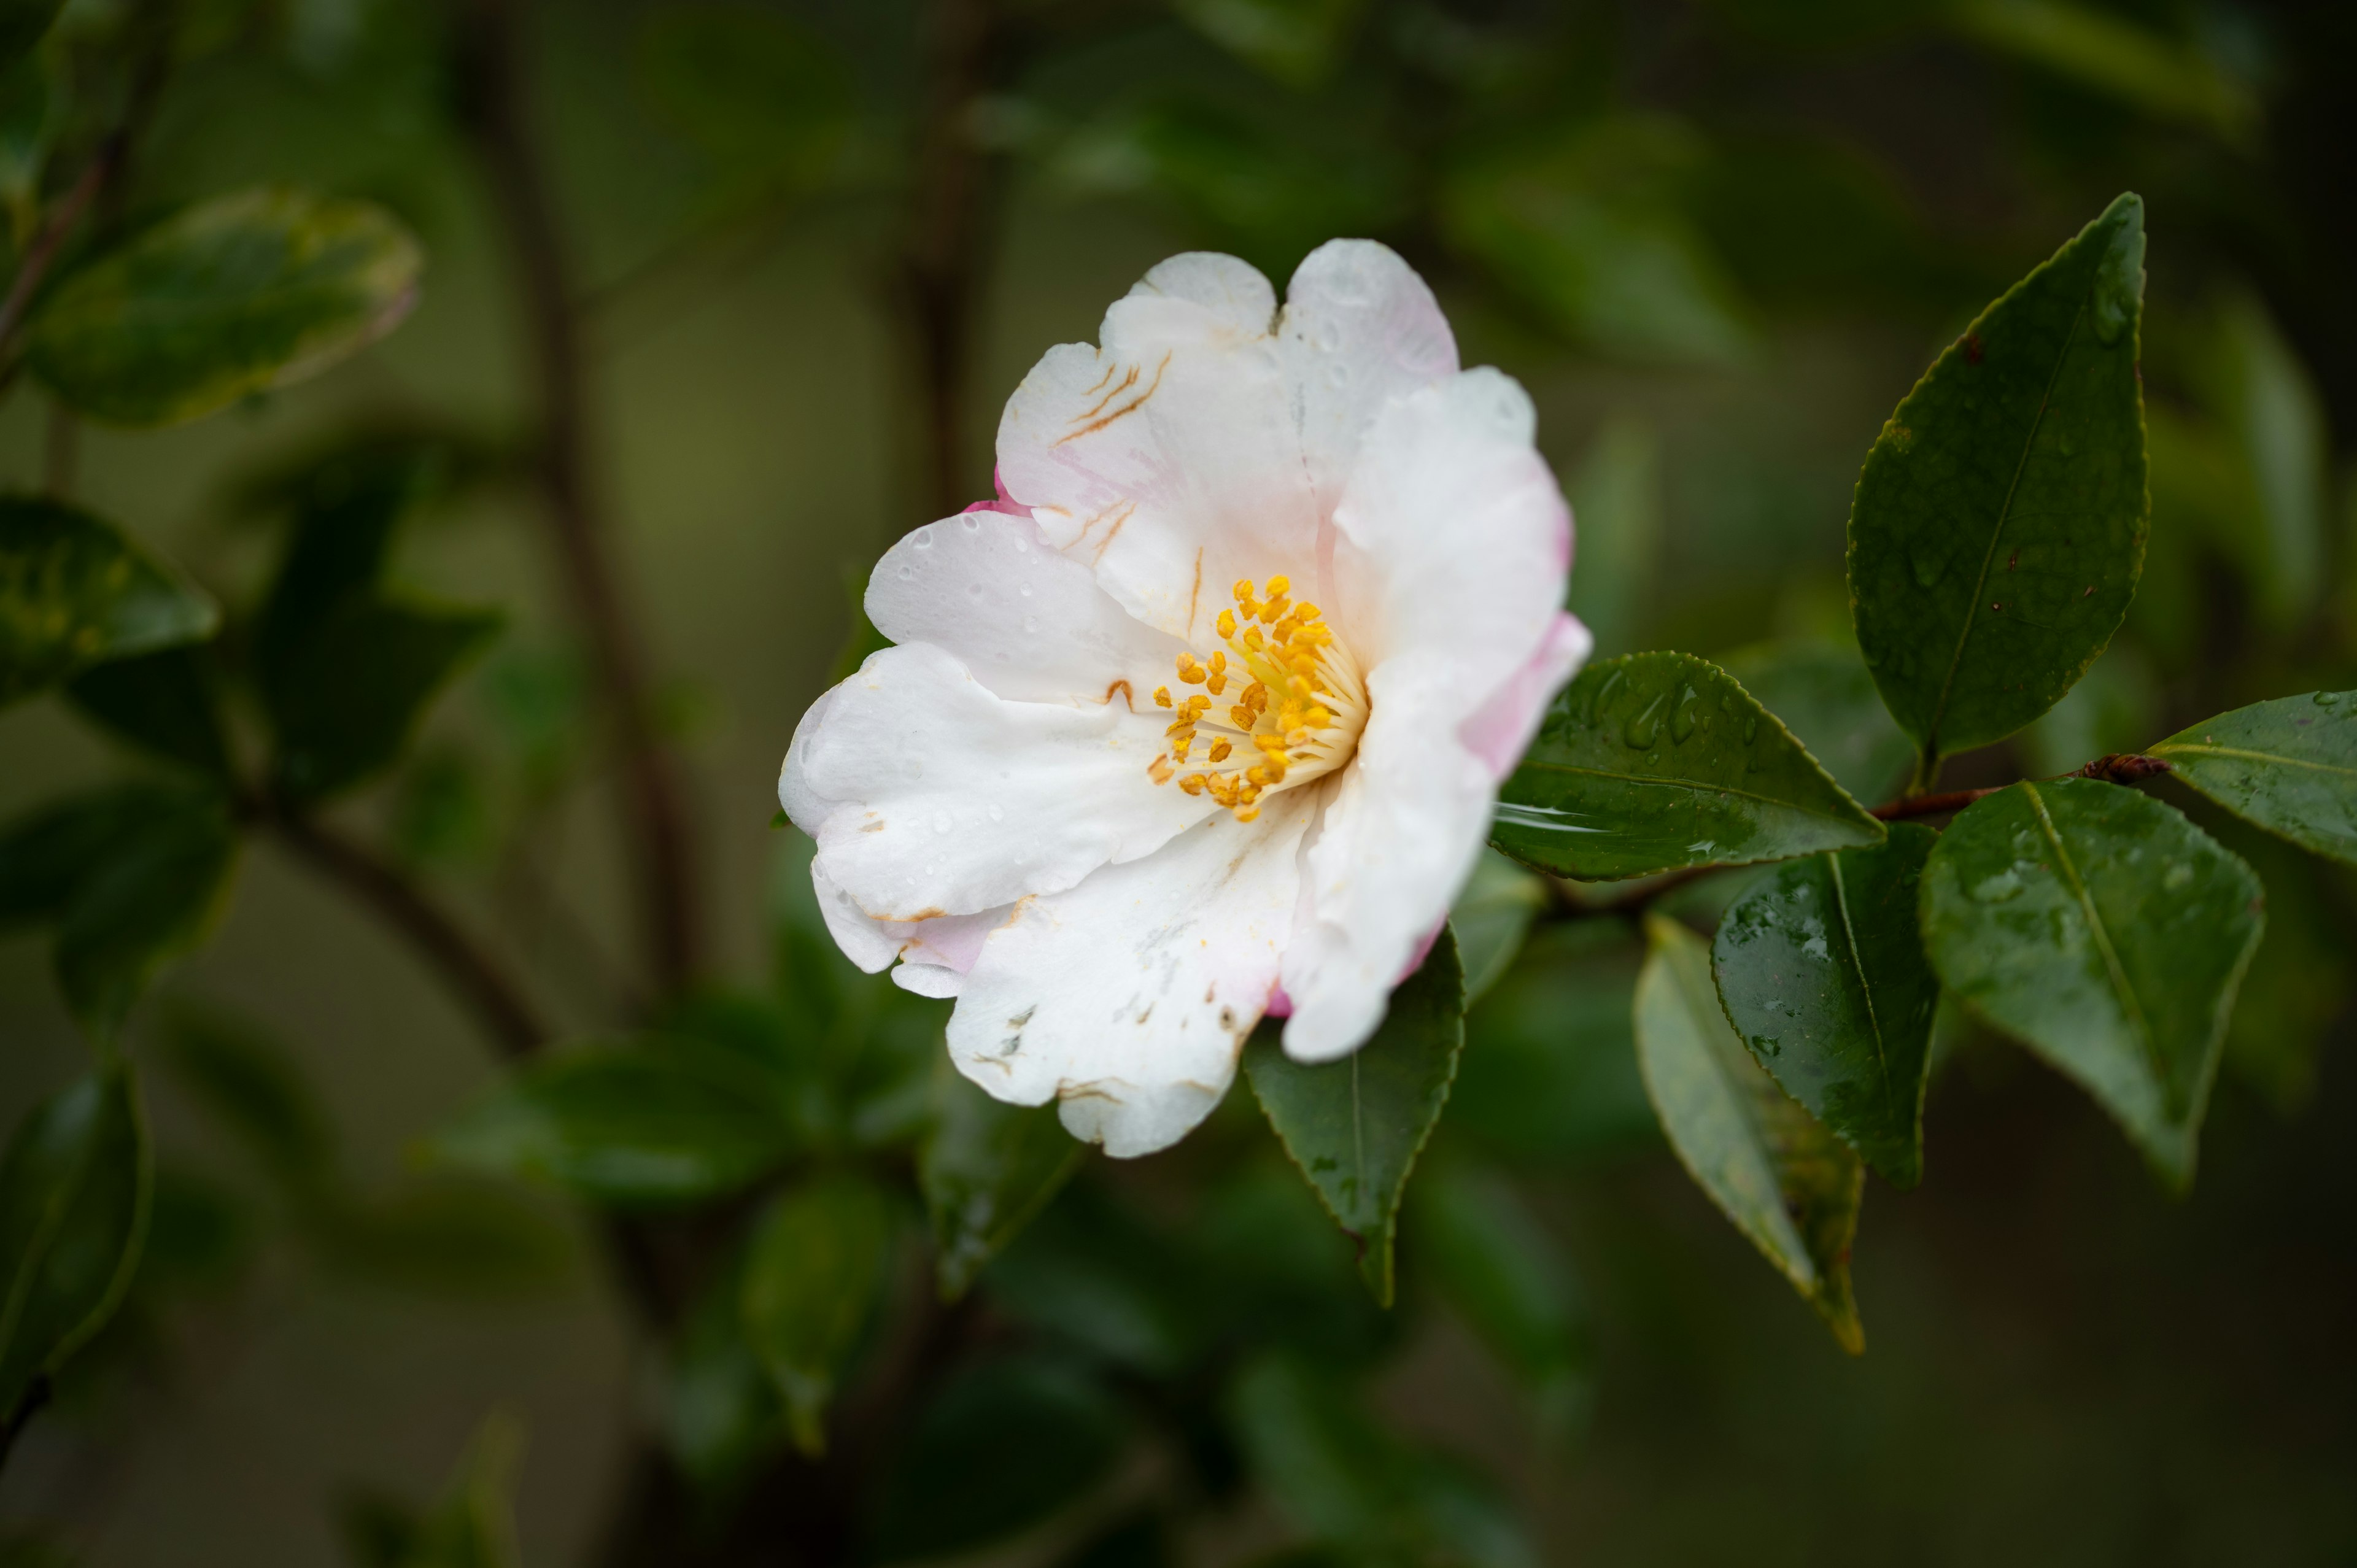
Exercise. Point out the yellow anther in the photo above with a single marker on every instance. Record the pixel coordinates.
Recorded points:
(1218, 683)
(1244, 590)
(1220, 750)
(1192, 784)
(1272, 609)
(1271, 744)
(1194, 674)
(1159, 770)
(1241, 716)
(1299, 737)
(1301, 687)
(1183, 724)
(1308, 612)
(1227, 623)
(1198, 703)
(1246, 813)
(1253, 637)
(1279, 586)
(1260, 774)
(1161, 697)
(1318, 718)
(1219, 661)
(1256, 697)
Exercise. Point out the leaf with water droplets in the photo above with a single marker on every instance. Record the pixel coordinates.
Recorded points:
(1823, 974)
(1611, 787)
(2109, 935)
(1788, 1183)
(1998, 527)
(1825, 694)
(2291, 766)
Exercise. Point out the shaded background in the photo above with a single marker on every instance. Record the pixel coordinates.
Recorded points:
(1717, 242)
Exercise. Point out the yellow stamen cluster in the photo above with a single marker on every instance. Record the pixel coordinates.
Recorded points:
(1299, 711)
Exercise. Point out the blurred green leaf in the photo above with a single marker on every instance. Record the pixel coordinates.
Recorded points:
(76, 591)
(1652, 761)
(721, 1414)
(1550, 1068)
(1822, 973)
(150, 892)
(1095, 1274)
(75, 1190)
(2114, 56)
(887, 1083)
(1999, 523)
(1356, 1126)
(2108, 934)
(1000, 1447)
(1616, 495)
(820, 1259)
(2277, 418)
(233, 296)
(27, 117)
(1788, 1183)
(2300, 978)
(472, 1526)
(45, 854)
(761, 97)
(1140, 1541)
(1491, 918)
(446, 1236)
(2288, 765)
(441, 813)
(1824, 695)
(167, 704)
(1299, 42)
(1494, 1262)
(2110, 709)
(31, 1548)
(22, 25)
(249, 1083)
(346, 709)
(1582, 227)
(650, 1121)
(986, 1169)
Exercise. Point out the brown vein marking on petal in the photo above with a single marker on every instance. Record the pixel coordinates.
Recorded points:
(874, 827)
(1102, 379)
(923, 915)
(1127, 513)
(1092, 1089)
(1127, 695)
(1132, 406)
(1127, 382)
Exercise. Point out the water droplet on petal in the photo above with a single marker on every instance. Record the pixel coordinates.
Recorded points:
(908, 572)
(1031, 624)
(997, 812)
(922, 539)
(972, 522)
(1026, 590)
(974, 590)
(1022, 545)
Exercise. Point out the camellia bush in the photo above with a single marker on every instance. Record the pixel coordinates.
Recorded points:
(1245, 732)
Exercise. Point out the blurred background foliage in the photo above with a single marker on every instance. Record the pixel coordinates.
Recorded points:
(807, 246)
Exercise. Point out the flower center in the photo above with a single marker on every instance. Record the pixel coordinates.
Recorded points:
(1298, 707)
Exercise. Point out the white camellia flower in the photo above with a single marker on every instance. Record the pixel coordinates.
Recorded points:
(1204, 717)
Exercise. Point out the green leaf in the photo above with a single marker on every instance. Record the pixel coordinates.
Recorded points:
(1822, 973)
(2266, 398)
(2115, 56)
(1355, 1127)
(1789, 1184)
(46, 854)
(28, 118)
(1488, 1254)
(2112, 709)
(986, 1169)
(1824, 695)
(166, 703)
(1653, 761)
(1001, 1446)
(654, 1121)
(75, 591)
(23, 24)
(249, 1084)
(1999, 523)
(758, 94)
(2289, 764)
(345, 711)
(152, 893)
(466, 1239)
(820, 1254)
(74, 1191)
(233, 296)
(2107, 933)
(2299, 980)
(472, 1526)
(1550, 1068)
(1299, 42)
(1491, 918)
(1094, 1271)
(721, 1416)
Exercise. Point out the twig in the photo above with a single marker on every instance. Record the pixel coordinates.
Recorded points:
(2116, 767)
(496, 113)
(474, 974)
(944, 238)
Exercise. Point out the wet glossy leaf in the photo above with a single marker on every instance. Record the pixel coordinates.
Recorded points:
(2299, 980)
(985, 1170)
(1824, 695)
(2107, 933)
(2289, 764)
(1654, 761)
(817, 1267)
(1296, 42)
(231, 297)
(1999, 523)
(1355, 1127)
(1000, 1447)
(1491, 918)
(1824, 976)
(1789, 1184)
(74, 1188)
(148, 895)
(167, 704)
(76, 591)
(1489, 1257)
(659, 1121)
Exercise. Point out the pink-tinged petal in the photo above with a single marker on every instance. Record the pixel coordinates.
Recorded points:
(1028, 623)
(1499, 731)
(1128, 997)
(944, 948)
(930, 796)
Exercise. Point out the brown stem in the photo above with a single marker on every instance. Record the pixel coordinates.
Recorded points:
(497, 117)
(2117, 768)
(940, 268)
(474, 974)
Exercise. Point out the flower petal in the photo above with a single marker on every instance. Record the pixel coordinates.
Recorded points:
(944, 948)
(1169, 460)
(1499, 731)
(1030, 624)
(1129, 996)
(1359, 329)
(929, 796)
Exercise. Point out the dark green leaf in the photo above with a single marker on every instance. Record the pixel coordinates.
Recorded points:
(1001, 1447)
(2299, 980)
(1356, 1126)
(74, 1188)
(721, 1413)
(2107, 933)
(2105, 51)
(817, 1267)
(249, 1083)
(986, 1170)
(1491, 918)
(1824, 695)
(2268, 400)
(345, 710)
(76, 592)
(23, 24)
(231, 297)
(1788, 1183)
(1999, 523)
(1507, 1277)
(150, 895)
(45, 854)
(1823, 975)
(1296, 42)
(168, 704)
(656, 1122)
(2289, 764)
(472, 1526)
(1094, 1272)
(1653, 761)
(28, 117)
(1550, 1068)
(342, 515)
